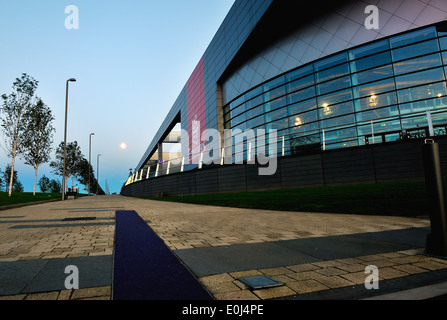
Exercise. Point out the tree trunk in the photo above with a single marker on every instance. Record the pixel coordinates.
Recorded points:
(35, 180)
(12, 168)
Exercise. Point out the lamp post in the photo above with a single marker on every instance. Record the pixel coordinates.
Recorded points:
(89, 160)
(97, 173)
(65, 137)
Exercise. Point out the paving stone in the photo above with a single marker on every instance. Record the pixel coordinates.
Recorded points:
(303, 267)
(42, 296)
(390, 273)
(272, 293)
(355, 277)
(91, 293)
(335, 282)
(430, 265)
(307, 275)
(409, 268)
(330, 271)
(236, 295)
(306, 286)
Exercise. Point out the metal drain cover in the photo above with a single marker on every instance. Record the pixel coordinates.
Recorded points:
(261, 282)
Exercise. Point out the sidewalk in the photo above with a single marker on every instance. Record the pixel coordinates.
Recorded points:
(316, 256)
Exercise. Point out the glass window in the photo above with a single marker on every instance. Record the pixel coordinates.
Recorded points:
(417, 64)
(367, 50)
(255, 112)
(332, 73)
(303, 130)
(278, 125)
(444, 57)
(330, 62)
(236, 120)
(254, 102)
(332, 136)
(384, 126)
(336, 110)
(423, 105)
(378, 127)
(268, 96)
(301, 95)
(377, 113)
(237, 111)
(334, 85)
(302, 106)
(374, 88)
(274, 83)
(301, 119)
(443, 43)
(242, 126)
(415, 121)
(275, 115)
(299, 73)
(372, 75)
(255, 122)
(376, 101)
(412, 37)
(324, 101)
(275, 104)
(414, 50)
(422, 92)
(419, 78)
(371, 62)
(346, 143)
(301, 83)
(252, 93)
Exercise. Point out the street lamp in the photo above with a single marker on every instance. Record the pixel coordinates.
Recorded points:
(97, 173)
(89, 160)
(65, 136)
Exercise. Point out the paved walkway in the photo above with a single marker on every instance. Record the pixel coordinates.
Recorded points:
(317, 256)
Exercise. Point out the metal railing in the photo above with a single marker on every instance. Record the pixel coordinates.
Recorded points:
(287, 144)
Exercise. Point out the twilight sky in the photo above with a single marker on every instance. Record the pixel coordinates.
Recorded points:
(131, 59)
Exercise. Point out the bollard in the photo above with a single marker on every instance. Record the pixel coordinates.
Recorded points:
(436, 241)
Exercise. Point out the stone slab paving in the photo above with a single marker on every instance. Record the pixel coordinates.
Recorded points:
(40, 236)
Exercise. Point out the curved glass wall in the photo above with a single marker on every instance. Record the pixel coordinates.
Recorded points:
(375, 93)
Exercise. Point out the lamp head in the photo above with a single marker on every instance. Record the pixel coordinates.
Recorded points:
(72, 80)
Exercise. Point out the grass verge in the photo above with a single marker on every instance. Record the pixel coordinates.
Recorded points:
(25, 197)
(391, 199)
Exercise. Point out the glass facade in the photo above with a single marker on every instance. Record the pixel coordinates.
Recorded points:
(375, 93)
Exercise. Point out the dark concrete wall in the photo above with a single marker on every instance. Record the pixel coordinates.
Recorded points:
(391, 162)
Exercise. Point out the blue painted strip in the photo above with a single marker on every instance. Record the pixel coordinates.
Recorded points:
(145, 268)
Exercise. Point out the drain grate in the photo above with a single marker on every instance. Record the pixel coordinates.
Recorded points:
(80, 219)
(260, 282)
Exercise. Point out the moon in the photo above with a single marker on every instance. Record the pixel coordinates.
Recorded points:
(123, 146)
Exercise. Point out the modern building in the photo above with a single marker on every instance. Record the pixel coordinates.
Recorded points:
(345, 80)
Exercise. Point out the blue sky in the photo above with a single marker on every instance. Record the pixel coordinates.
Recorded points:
(131, 59)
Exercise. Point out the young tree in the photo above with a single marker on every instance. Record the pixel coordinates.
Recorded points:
(17, 185)
(38, 136)
(14, 106)
(55, 186)
(44, 184)
(83, 171)
(72, 160)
